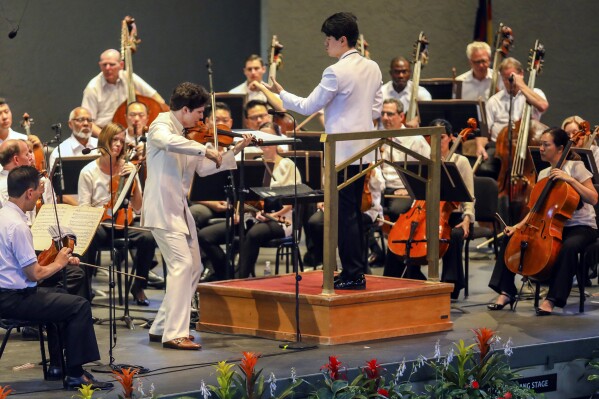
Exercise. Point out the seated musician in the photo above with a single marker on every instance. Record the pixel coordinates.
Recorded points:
(6, 131)
(400, 86)
(393, 117)
(137, 125)
(512, 76)
(106, 91)
(95, 186)
(15, 153)
(476, 83)
(80, 123)
(21, 297)
(453, 269)
(579, 231)
(573, 124)
(254, 70)
(370, 217)
(265, 229)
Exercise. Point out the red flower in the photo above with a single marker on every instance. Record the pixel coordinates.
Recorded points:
(484, 336)
(248, 362)
(474, 384)
(372, 369)
(507, 395)
(334, 367)
(383, 392)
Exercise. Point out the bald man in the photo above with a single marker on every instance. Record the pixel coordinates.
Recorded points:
(105, 92)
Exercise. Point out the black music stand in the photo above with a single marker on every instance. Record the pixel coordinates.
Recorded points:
(453, 188)
(236, 103)
(457, 112)
(71, 168)
(308, 141)
(586, 156)
(442, 88)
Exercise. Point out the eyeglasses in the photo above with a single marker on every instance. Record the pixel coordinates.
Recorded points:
(480, 62)
(81, 120)
(385, 113)
(256, 117)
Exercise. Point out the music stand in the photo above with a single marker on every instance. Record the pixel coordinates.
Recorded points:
(442, 88)
(457, 112)
(453, 187)
(586, 156)
(308, 141)
(236, 103)
(70, 173)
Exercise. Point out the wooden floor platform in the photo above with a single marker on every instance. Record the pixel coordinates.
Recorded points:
(265, 307)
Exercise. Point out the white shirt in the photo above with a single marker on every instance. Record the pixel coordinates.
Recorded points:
(405, 95)
(251, 95)
(350, 93)
(376, 185)
(415, 143)
(172, 161)
(584, 216)
(473, 89)
(282, 175)
(16, 248)
(498, 110)
(71, 147)
(102, 98)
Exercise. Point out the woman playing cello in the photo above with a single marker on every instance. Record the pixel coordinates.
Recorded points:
(96, 189)
(579, 231)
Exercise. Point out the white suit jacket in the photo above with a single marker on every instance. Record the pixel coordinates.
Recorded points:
(350, 93)
(172, 161)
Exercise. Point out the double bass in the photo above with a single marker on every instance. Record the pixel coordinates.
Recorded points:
(420, 59)
(129, 42)
(504, 40)
(517, 174)
(407, 237)
(533, 248)
(275, 61)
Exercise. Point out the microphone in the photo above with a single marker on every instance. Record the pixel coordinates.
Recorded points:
(511, 78)
(275, 112)
(13, 33)
(56, 126)
(86, 150)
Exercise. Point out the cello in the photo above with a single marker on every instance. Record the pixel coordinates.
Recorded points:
(129, 42)
(38, 152)
(517, 180)
(420, 59)
(407, 237)
(533, 248)
(504, 40)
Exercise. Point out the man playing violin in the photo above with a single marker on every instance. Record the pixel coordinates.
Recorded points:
(350, 94)
(98, 188)
(172, 160)
(579, 231)
(22, 298)
(512, 76)
(105, 92)
(137, 122)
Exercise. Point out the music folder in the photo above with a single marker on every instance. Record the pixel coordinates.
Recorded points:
(586, 156)
(453, 187)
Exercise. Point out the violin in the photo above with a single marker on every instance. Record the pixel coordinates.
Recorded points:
(504, 40)
(129, 42)
(407, 238)
(48, 256)
(38, 151)
(533, 248)
(202, 134)
(517, 180)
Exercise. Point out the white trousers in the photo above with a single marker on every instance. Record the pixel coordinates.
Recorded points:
(181, 253)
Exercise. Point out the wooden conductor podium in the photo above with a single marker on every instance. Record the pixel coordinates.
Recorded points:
(388, 307)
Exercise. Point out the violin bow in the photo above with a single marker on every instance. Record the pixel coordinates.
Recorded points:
(213, 102)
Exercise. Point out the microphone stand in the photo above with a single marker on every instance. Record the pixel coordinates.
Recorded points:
(58, 138)
(510, 132)
(112, 335)
(298, 344)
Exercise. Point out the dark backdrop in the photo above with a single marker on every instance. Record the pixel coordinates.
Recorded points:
(45, 68)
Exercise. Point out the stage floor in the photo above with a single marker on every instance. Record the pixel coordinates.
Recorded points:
(181, 371)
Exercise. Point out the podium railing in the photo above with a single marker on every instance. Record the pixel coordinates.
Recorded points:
(331, 189)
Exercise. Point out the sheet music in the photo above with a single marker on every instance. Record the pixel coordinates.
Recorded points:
(84, 221)
(124, 191)
(267, 138)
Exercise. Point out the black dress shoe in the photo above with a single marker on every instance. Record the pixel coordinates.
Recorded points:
(155, 281)
(54, 373)
(74, 383)
(499, 306)
(139, 296)
(358, 283)
(541, 312)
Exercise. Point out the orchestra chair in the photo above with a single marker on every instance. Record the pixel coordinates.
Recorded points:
(10, 324)
(486, 194)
